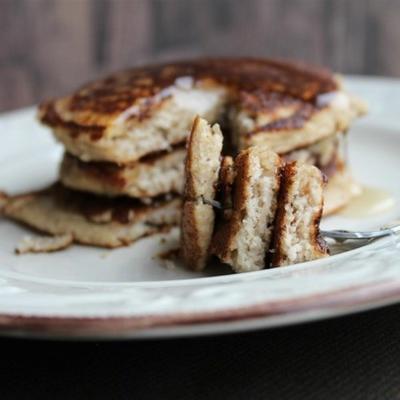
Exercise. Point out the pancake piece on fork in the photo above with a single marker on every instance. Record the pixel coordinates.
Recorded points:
(243, 240)
(202, 169)
(296, 233)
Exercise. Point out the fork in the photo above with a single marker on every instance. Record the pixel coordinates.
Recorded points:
(341, 235)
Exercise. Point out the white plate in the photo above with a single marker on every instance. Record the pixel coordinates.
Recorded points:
(129, 292)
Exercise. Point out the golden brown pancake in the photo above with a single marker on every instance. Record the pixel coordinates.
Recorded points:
(92, 219)
(130, 114)
(328, 155)
(285, 124)
(150, 176)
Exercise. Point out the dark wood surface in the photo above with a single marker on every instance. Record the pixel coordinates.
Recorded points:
(349, 358)
(48, 47)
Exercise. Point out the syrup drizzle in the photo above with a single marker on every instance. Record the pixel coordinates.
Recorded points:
(371, 201)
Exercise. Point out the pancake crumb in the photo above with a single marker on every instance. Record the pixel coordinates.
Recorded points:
(169, 258)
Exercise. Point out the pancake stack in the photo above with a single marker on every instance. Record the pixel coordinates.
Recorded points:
(125, 135)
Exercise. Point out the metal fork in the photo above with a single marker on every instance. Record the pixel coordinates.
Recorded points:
(341, 235)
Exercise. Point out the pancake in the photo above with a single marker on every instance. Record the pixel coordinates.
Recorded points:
(328, 154)
(285, 124)
(91, 219)
(244, 237)
(149, 177)
(339, 191)
(130, 114)
(202, 168)
(296, 232)
(45, 244)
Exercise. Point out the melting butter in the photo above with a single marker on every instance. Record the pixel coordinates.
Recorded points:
(370, 201)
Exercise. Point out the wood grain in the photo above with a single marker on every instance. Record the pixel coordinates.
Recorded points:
(50, 47)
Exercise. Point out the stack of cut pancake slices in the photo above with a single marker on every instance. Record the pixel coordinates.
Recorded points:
(252, 195)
